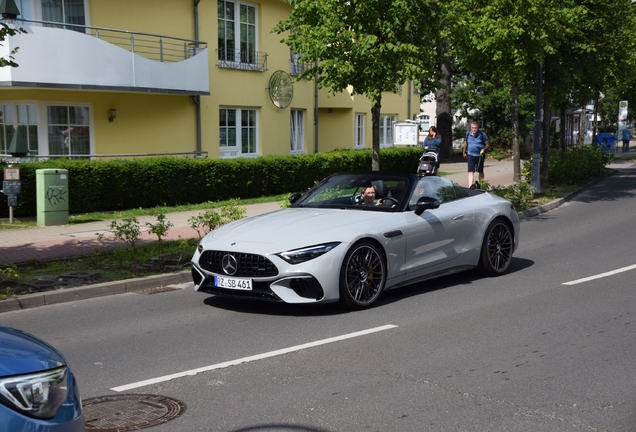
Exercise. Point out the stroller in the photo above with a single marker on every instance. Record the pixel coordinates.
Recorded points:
(428, 162)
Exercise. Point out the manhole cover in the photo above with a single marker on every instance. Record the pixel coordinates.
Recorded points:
(130, 412)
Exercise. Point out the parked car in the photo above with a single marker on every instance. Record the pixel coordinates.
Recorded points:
(38, 391)
(332, 245)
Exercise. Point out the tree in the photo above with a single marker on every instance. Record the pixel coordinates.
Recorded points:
(6, 31)
(369, 46)
(508, 38)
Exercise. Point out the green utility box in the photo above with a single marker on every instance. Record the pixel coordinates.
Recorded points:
(52, 196)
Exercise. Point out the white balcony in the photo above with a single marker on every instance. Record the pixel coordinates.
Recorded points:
(105, 59)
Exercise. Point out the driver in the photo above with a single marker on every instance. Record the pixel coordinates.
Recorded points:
(368, 196)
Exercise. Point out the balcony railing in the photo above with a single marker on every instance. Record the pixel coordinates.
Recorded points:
(243, 60)
(151, 46)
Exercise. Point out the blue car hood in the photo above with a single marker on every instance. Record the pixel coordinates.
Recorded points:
(22, 353)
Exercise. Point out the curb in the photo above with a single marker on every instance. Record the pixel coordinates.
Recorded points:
(95, 290)
(558, 202)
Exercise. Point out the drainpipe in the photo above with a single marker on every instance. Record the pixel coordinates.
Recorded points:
(197, 99)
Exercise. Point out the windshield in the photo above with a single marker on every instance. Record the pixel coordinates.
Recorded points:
(374, 192)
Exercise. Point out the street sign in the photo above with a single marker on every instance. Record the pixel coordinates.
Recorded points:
(11, 173)
(11, 187)
(12, 200)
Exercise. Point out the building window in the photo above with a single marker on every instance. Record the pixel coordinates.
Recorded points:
(297, 131)
(386, 130)
(65, 11)
(359, 134)
(296, 67)
(237, 132)
(22, 118)
(237, 35)
(68, 130)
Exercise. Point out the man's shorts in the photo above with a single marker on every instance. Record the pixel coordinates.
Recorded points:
(475, 163)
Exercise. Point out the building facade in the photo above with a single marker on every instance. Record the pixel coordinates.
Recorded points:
(116, 78)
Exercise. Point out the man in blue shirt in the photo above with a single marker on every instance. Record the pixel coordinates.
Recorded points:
(475, 146)
(626, 136)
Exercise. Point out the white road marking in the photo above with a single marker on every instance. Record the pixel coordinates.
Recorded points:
(602, 275)
(250, 359)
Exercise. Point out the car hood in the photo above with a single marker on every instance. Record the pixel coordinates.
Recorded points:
(22, 353)
(301, 224)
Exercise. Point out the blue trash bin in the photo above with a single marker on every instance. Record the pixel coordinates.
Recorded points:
(606, 141)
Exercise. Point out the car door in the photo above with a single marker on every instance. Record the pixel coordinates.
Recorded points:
(437, 236)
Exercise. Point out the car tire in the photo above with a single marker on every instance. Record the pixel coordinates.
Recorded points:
(362, 276)
(497, 248)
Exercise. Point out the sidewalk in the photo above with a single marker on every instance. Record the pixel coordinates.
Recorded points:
(56, 242)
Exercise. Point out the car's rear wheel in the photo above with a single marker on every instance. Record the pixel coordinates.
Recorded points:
(362, 276)
(496, 250)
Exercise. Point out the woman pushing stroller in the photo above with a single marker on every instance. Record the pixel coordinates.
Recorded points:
(431, 145)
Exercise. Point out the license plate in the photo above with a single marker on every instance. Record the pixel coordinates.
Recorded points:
(233, 283)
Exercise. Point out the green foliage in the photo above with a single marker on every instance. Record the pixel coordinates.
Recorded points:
(160, 229)
(10, 272)
(519, 194)
(6, 31)
(573, 166)
(151, 182)
(205, 222)
(127, 231)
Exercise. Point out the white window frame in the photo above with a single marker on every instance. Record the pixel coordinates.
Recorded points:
(43, 123)
(43, 128)
(297, 131)
(239, 58)
(36, 11)
(17, 120)
(235, 151)
(386, 129)
(359, 130)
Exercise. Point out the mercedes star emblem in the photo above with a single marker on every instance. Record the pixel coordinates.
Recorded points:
(229, 264)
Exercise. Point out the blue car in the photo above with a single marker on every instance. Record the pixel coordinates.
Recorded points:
(38, 392)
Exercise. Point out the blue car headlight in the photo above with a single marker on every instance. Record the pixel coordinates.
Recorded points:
(38, 395)
(298, 256)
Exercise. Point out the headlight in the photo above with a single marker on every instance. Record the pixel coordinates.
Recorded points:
(298, 256)
(37, 395)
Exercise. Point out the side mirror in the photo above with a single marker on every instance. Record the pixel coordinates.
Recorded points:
(426, 203)
(294, 197)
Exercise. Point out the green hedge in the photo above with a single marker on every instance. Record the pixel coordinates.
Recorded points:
(573, 166)
(126, 184)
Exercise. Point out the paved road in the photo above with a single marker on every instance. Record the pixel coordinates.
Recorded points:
(538, 349)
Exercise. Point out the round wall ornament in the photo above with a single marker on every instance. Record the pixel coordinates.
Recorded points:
(281, 89)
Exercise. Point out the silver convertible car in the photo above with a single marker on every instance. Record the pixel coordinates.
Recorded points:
(338, 242)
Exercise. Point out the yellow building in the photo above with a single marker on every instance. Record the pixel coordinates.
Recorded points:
(117, 78)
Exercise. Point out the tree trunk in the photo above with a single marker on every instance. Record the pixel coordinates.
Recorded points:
(562, 126)
(545, 142)
(375, 135)
(443, 112)
(516, 157)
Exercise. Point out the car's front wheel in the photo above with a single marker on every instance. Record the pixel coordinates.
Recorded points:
(496, 250)
(362, 276)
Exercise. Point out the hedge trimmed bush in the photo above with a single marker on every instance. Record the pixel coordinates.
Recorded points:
(126, 184)
(574, 165)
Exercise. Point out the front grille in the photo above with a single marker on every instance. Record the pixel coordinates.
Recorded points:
(249, 265)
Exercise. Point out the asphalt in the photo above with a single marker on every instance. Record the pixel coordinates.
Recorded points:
(65, 241)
